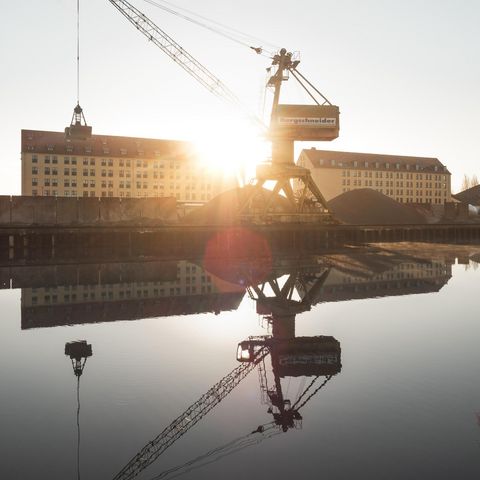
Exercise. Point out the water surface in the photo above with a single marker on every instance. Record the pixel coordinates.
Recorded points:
(400, 395)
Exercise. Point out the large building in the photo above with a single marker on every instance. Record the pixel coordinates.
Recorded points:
(405, 179)
(56, 164)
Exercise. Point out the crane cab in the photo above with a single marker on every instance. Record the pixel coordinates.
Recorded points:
(305, 122)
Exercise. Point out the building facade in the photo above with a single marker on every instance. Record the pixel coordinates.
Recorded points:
(54, 164)
(405, 179)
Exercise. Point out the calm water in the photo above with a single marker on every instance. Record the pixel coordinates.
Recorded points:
(391, 337)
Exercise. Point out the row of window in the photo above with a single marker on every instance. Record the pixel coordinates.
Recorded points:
(125, 294)
(122, 194)
(390, 183)
(386, 165)
(67, 172)
(48, 159)
(408, 176)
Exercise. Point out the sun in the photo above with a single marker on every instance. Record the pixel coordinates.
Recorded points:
(233, 147)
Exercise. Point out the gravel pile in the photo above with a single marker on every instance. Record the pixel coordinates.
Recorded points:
(366, 206)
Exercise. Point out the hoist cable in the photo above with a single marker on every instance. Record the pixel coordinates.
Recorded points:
(269, 430)
(312, 86)
(314, 392)
(174, 9)
(225, 31)
(78, 52)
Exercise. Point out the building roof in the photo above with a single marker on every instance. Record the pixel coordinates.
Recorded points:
(329, 159)
(471, 195)
(57, 143)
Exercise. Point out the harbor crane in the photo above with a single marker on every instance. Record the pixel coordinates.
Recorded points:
(288, 123)
(291, 356)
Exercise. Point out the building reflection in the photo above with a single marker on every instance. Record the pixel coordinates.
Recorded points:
(56, 295)
(107, 293)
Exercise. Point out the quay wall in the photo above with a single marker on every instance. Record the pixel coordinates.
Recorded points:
(64, 211)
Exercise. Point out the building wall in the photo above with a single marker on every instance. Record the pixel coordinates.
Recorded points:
(65, 174)
(404, 184)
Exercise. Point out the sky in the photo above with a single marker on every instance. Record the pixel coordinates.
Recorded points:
(405, 74)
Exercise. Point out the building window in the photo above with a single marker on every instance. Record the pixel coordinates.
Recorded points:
(74, 161)
(92, 172)
(47, 171)
(34, 159)
(34, 170)
(73, 172)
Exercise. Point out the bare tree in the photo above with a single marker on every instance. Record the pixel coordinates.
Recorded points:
(474, 181)
(465, 182)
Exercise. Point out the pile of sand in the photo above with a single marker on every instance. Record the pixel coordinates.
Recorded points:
(366, 206)
(224, 208)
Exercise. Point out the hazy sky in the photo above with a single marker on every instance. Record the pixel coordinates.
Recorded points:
(406, 74)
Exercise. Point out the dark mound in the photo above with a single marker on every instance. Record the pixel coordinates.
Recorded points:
(366, 206)
(224, 208)
(471, 195)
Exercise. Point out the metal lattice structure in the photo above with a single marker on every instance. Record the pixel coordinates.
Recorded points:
(180, 56)
(192, 415)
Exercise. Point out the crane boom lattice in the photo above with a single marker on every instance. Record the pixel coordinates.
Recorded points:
(192, 415)
(178, 54)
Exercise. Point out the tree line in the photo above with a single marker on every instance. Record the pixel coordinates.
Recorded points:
(469, 182)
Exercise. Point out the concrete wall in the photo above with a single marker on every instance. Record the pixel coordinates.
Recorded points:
(24, 210)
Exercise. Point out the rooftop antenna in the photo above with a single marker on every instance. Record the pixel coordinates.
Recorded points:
(78, 128)
(78, 352)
